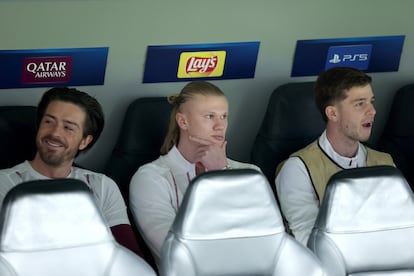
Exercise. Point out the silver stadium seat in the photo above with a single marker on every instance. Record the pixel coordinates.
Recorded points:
(53, 227)
(229, 224)
(365, 224)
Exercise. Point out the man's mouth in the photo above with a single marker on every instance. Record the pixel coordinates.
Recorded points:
(369, 124)
(53, 143)
(218, 137)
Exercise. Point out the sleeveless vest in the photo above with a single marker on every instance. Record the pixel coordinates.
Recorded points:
(321, 167)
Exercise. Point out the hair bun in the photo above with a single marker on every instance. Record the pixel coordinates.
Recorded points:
(172, 99)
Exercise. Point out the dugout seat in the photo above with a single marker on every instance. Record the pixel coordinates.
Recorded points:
(54, 227)
(365, 224)
(398, 136)
(17, 134)
(142, 133)
(291, 121)
(218, 233)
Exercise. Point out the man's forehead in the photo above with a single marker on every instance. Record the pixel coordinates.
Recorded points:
(66, 109)
(359, 92)
(207, 103)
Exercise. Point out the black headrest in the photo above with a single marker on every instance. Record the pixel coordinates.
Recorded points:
(292, 121)
(400, 120)
(141, 136)
(398, 135)
(17, 134)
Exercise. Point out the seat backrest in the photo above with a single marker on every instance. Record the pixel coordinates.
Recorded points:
(398, 135)
(365, 224)
(54, 227)
(229, 224)
(291, 121)
(142, 133)
(141, 136)
(17, 134)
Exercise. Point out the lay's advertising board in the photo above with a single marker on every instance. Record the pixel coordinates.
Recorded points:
(186, 62)
(52, 67)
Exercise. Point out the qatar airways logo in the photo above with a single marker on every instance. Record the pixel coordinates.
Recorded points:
(357, 56)
(46, 69)
(201, 64)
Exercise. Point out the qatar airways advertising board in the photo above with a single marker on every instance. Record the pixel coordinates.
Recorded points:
(52, 67)
(186, 62)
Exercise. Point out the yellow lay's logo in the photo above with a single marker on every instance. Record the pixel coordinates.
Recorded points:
(201, 64)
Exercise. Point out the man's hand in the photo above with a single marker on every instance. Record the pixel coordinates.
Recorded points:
(210, 154)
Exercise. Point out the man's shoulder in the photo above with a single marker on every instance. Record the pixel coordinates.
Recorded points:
(374, 151)
(89, 175)
(19, 168)
(13, 176)
(151, 175)
(377, 157)
(83, 171)
(311, 147)
(158, 166)
(241, 165)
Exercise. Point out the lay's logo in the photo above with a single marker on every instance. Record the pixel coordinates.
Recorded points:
(201, 64)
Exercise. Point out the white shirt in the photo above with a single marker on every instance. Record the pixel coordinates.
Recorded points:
(107, 194)
(295, 191)
(156, 192)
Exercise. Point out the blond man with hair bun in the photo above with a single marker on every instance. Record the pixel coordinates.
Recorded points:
(195, 143)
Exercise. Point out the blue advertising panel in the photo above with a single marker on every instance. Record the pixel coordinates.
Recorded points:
(172, 63)
(52, 67)
(370, 54)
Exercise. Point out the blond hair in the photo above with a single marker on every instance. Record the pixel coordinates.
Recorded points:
(187, 93)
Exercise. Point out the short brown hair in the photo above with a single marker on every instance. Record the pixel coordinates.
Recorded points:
(333, 84)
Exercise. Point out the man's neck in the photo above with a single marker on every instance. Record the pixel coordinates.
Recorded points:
(186, 152)
(342, 146)
(61, 171)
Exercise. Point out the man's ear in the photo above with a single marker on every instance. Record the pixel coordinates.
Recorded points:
(331, 113)
(181, 120)
(85, 142)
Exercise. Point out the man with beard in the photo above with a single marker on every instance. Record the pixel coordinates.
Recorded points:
(70, 121)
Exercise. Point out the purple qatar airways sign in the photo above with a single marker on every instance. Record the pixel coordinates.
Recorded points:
(52, 67)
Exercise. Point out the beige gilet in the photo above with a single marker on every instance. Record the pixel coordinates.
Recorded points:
(320, 167)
